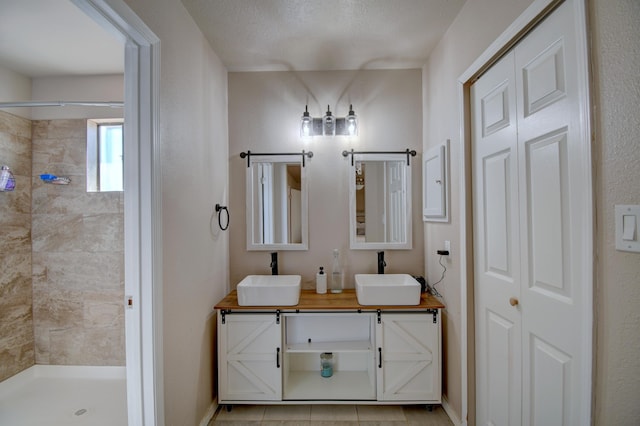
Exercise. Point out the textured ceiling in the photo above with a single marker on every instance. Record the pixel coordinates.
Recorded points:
(262, 35)
(53, 37)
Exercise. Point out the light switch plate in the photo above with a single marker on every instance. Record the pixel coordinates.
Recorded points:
(627, 239)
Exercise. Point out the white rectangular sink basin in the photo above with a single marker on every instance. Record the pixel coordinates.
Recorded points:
(269, 290)
(387, 289)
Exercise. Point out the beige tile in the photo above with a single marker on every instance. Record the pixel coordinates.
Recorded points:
(285, 423)
(287, 412)
(380, 413)
(334, 412)
(103, 309)
(419, 415)
(57, 232)
(241, 413)
(16, 235)
(332, 423)
(78, 346)
(103, 232)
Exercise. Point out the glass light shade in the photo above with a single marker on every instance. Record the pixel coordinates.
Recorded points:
(352, 122)
(328, 123)
(306, 129)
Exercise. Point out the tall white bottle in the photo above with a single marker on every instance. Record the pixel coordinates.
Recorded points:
(337, 277)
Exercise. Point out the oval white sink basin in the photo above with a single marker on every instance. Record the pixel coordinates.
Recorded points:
(387, 289)
(269, 290)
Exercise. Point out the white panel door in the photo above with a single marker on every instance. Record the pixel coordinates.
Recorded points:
(529, 190)
(496, 242)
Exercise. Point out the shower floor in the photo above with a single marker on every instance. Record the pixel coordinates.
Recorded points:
(55, 395)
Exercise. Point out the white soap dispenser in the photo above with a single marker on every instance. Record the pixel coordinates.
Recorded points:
(321, 281)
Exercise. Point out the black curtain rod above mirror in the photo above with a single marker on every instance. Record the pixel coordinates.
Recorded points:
(410, 153)
(304, 154)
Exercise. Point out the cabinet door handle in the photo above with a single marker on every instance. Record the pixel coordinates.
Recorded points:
(277, 357)
(379, 357)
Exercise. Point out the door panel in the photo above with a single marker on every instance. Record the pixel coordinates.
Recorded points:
(543, 79)
(550, 383)
(502, 338)
(497, 211)
(547, 189)
(496, 239)
(551, 164)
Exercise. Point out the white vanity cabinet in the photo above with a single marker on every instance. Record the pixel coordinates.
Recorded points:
(380, 356)
(249, 357)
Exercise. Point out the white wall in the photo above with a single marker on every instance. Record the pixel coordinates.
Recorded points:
(193, 147)
(264, 116)
(15, 87)
(616, 58)
(102, 88)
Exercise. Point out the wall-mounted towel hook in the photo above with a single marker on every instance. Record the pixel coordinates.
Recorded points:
(219, 209)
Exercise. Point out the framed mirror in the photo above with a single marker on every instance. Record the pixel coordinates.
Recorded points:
(380, 202)
(276, 203)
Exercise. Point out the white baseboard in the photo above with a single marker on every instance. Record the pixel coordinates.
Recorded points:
(210, 413)
(452, 415)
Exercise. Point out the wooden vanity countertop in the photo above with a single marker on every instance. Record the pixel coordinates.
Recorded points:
(347, 300)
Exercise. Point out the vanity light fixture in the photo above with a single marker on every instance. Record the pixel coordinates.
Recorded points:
(328, 125)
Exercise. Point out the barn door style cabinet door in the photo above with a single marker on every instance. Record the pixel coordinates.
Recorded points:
(249, 367)
(408, 350)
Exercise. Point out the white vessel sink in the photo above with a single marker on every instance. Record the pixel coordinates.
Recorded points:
(269, 290)
(387, 289)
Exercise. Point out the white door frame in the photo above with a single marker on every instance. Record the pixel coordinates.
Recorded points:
(142, 215)
(516, 31)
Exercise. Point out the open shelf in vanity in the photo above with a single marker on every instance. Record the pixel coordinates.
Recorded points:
(349, 337)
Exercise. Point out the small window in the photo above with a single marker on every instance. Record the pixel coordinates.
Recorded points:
(105, 152)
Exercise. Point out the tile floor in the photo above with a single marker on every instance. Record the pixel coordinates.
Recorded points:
(334, 415)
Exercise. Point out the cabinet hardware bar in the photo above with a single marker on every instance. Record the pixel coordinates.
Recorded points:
(410, 153)
(248, 155)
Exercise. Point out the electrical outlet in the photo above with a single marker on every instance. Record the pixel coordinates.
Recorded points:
(447, 246)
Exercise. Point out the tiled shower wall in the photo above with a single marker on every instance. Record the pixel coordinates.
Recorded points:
(62, 251)
(16, 319)
(78, 255)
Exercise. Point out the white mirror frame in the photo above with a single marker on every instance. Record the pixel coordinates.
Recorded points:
(358, 245)
(251, 244)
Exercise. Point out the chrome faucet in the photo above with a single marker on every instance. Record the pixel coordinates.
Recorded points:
(274, 263)
(381, 262)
